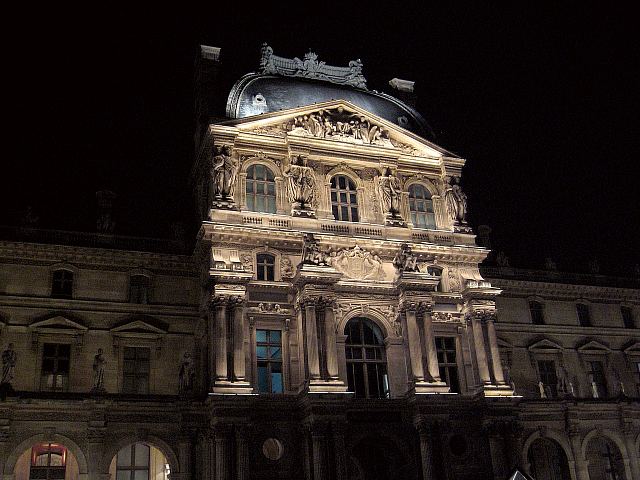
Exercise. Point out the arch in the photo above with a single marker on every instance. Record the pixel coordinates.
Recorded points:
(372, 314)
(551, 459)
(552, 434)
(344, 169)
(425, 182)
(266, 161)
(113, 449)
(609, 435)
(69, 444)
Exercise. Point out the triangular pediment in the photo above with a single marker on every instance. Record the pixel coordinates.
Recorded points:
(545, 345)
(633, 349)
(140, 325)
(594, 347)
(58, 323)
(338, 121)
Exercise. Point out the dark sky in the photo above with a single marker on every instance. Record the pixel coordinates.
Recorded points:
(543, 104)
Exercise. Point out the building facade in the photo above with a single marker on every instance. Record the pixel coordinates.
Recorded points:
(333, 320)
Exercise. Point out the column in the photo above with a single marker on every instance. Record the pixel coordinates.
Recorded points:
(330, 341)
(312, 340)
(339, 451)
(415, 352)
(430, 341)
(481, 354)
(498, 374)
(242, 455)
(426, 451)
(497, 450)
(318, 445)
(239, 329)
(222, 454)
(220, 338)
(582, 466)
(632, 453)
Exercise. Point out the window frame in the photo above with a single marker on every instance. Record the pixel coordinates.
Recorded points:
(124, 389)
(412, 200)
(539, 307)
(583, 313)
(60, 291)
(269, 361)
(258, 269)
(48, 448)
(550, 389)
(144, 292)
(382, 378)
(338, 205)
(56, 359)
(132, 468)
(251, 206)
(628, 318)
(446, 365)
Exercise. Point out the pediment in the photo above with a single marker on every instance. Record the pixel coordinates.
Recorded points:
(143, 326)
(58, 324)
(633, 349)
(338, 121)
(594, 347)
(545, 345)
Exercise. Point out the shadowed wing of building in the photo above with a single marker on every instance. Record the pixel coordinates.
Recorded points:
(332, 321)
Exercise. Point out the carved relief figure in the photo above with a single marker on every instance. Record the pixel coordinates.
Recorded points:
(99, 364)
(224, 169)
(357, 263)
(405, 260)
(311, 254)
(9, 360)
(187, 373)
(300, 183)
(390, 193)
(456, 202)
(286, 267)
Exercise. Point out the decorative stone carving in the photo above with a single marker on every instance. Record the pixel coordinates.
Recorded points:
(311, 67)
(405, 260)
(311, 253)
(454, 280)
(9, 361)
(224, 171)
(301, 187)
(390, 195)
(99, 364)
(357, 263)
(247, 262)
(456, 201)
(286, 267)
(339, 124)
(187, 374)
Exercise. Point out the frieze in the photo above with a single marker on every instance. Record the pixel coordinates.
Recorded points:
(270, 308)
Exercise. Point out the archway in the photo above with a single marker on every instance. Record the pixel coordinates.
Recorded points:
(547, 460)
(605, 460)
(139, 461)
(47, 460)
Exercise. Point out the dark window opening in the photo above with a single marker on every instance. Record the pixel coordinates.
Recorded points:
(366, 359)
(537, 312)
(549, 377)
(265, 267)
(62, 286)
(269, 356)
(135, 372)
(446, 350)
(139, 289)
(597, 380)
(54, 374)
(344, 201)
(627, 317)
(584, 317)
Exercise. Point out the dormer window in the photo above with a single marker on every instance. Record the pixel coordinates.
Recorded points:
(344, 200)
(62, 285)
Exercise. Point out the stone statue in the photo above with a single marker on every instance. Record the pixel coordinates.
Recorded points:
(286, 267)
(224, 169)
(301, 184)
(405, 260)
(456, 202)
(99, 364)
(594, 390)
(311, 254)
(390, 193)
(187, 373)
(543, 393)
(9, 360)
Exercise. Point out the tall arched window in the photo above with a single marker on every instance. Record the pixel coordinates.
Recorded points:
(265, 266)
(261, 189)
(421, 207)
(366, 359)
(344, 200)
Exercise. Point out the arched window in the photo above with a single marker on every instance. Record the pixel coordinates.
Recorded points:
(366, 359)
(48, 461)
(344, 200)
(62, 286)
(261, 189)
(421, 207)
(548, 460)
(265, 267)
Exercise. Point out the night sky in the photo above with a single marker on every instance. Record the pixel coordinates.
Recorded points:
(543, 104)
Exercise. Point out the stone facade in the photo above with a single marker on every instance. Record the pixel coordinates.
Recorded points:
(332, 322)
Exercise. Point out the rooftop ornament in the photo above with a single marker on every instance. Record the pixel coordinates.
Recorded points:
(310, 67)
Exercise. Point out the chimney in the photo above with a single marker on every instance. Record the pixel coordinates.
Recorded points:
(404, 91)
(104, 211)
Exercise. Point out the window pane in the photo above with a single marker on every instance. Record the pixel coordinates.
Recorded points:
(276, 383)
(123, 475)
(276, 352)
(142, 455)
(263, 378)
(344, 213)
(124, 457)
(141, 475)
(261, 352)
(275, 336)
(261, 335)
(354, 215)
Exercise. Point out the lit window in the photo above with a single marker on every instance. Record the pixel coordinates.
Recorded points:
(446, 349)
(584, 318)
(135, 370)
(62, 286)
(48, 462)
(421, 207)
(139, 289)
(536, 309)
(269, 356)
(366, 359)
(344, 202)
(549, 377)
(132, 462)
(261, 189)
(55, 367)
(627, 317)
(265, 267)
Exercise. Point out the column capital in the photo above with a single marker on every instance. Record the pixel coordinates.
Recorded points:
(418, 306)
(482, 316)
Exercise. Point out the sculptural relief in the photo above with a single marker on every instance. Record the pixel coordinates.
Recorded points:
(390, 196)
(311, 253)
(301, 186)
(187, 374)
(357, 263)
(99, 364)
(9, 361)
(223, 171)
(456, 202)
(286, 267)
(405, 260)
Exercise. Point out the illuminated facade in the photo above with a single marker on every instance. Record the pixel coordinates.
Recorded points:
(333, 320)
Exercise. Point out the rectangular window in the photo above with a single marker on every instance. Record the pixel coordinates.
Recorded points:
(139, 289)
(537, 312)
(269, 356)
(584, 318)
(62, 284)
(56, 358)
(135, 370)
(549, 377)
(597, 380)
(446, 350)
(627, 317)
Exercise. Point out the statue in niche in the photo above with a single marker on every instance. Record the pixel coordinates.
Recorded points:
(311, 254)
(9, 360)
(187, 373)
(224, 169)
(405, 260)
(286, 267)
(390, 194)
(456, 201)
(301, 184)
(99, 364)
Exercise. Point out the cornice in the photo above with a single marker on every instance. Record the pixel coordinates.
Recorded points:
(572, 330)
